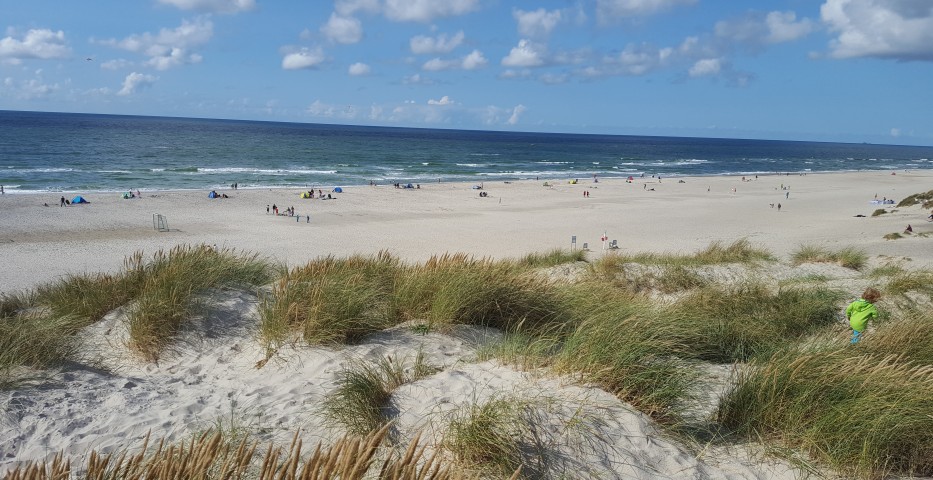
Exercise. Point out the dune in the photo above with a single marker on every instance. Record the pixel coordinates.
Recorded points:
(217, 374)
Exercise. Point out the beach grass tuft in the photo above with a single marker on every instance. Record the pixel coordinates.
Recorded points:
(553, 257)
(170, 283)
(907, 281)
(848, 257)
(878, 212)
(360, 402)
(210, 455)
(738, 323)
(925, 200)
(864, 414)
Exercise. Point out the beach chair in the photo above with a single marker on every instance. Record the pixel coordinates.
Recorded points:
(613, 244)
(586, 247)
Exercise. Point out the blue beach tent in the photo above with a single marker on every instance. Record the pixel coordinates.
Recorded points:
(338, 190)
(78, 199)
(213, 194)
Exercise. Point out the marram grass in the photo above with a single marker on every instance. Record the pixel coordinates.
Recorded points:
(847, 257)
(867, 415)
(210, 456)
(735, 324)
(360, 403)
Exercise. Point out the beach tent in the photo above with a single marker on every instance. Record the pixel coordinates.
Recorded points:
(213, 194)
(305, 195)
(338, 190)
(79, 199)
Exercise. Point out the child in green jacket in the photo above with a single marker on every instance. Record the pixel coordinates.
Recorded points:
(859, 311)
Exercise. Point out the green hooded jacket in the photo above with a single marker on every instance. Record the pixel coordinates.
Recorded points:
(858, 313)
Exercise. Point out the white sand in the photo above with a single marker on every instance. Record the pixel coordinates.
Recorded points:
(110, 399)
(39, 244)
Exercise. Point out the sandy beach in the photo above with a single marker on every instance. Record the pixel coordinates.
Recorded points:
(39, 244)
(111, 398)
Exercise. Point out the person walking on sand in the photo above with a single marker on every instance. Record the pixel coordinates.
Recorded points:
(62, 204)
(860, 311)
(779, 207)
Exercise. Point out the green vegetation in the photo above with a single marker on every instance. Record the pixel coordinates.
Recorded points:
(360, 401)
(878, 212)
(864, 414)
(553, 257)
(925, 200)
(893, 236)
(730, 325)
(846, 257)
(917, 281)
(171, 281)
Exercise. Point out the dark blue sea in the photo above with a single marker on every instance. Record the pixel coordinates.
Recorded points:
(84, 152)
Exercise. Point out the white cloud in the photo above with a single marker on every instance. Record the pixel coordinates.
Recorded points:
(168, 48)
(895, 132)
(526, 54)
(427, 10)
(36, 43)
(756, 29)
(345, 30)
(417, 79)
(116, 64)
(359, 69)
(134, 81)
(302, 59)
(324, 110)
(471, 61)
(407, 10)
(900, 30)
(516, 113)
(609, 10)
(213, 6)
(445, 100)
(537, 23)
(474, 60)
(32, 89)
(421, 44)
(706, 67)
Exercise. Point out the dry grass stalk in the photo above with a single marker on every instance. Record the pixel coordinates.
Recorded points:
(209, 456)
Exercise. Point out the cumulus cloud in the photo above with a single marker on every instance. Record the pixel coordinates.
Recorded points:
(706, 67)
(303, 59)
(345, 30)
(471, 61)
(427, 10)
(116, 64)
(212, 6)
(359, 69)
(325, 110)
(417, 79)
(31, 89)
(516, 114)
(36, 43)
(445, 100)
(899, 30)
(170, 47)
(537, 23)
(610, 10)
(408, 10)
(526, 54)
(421, 44)
(757, 29)
(135, 81)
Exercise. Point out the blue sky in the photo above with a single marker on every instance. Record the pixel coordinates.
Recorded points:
(833, 70)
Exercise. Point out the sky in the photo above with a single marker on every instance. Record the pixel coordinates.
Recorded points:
(824, 70)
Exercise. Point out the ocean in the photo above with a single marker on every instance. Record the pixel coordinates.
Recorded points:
(42, 152)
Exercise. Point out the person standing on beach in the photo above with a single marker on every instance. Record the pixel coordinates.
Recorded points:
(62, 204)
(860, 311)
